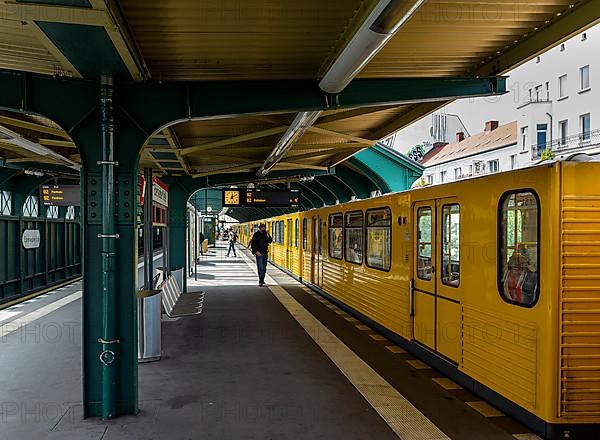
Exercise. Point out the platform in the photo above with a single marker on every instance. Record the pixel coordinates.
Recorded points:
(276, 362)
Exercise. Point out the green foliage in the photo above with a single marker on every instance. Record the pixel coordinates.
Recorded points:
(416, 153)
(547, 154)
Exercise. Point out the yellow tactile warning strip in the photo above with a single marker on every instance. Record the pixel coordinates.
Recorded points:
(485, 409)
(446, 383)
(402, 417)
(417, 364)
(526, 437)
(395, 349)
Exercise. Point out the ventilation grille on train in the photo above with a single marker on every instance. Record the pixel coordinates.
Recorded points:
(580, 307)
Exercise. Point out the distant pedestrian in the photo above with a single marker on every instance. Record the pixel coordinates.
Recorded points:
(202, 238)
(232, 241)
(260, 247)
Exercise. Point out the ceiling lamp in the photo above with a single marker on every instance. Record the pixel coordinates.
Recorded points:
(298, 127)
(382, 24)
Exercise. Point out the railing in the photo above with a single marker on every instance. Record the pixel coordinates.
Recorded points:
(581, 141)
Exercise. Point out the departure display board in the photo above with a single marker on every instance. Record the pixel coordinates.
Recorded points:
(60, 195)
(260, 198)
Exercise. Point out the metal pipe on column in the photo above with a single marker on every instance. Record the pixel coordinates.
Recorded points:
(196, 236)
(108, 356)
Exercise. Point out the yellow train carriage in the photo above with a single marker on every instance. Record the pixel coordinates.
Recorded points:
(494, 280)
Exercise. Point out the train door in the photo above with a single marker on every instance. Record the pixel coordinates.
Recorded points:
(448, 298)
(424, 286)
(436, 277)
(288, 248)
(316, 251)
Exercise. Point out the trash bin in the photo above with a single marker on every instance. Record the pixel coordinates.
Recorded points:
(149, 325)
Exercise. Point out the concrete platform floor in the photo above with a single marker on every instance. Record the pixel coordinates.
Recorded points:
(243, 369)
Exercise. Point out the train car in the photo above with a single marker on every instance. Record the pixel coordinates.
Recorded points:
(494, 281)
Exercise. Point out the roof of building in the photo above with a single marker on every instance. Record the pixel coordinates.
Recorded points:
(502, 136)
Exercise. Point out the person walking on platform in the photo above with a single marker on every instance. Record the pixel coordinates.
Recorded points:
(260, 247)
(202, 238)
(232, 241)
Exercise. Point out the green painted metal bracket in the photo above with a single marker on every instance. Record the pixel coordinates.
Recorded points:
(342, 191)
(361, 185)
(330, 193)
(151, 106)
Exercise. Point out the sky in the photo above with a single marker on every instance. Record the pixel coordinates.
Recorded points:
(474, 112)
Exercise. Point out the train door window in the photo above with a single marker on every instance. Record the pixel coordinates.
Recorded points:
(296, 232)
(304, 234)
(353, 233)
(519, 250)
(424, 262)
(379, 238)
(336, 236)
(451, 245)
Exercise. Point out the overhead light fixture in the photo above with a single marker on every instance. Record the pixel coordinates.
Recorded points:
(21, 142)
(383, 23)
(302, 122)
(35, 173)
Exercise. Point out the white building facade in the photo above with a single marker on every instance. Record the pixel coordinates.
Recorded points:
(558, 111)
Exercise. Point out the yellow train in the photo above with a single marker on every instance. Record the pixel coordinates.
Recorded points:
(495, 281)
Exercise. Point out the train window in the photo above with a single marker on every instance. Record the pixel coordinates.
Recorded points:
(304, 234)
(379, 238)
(451, 245)
(518, 253)
(281, 231)
(335, 236)
(424, 243)
(353, 233)
(296, 232)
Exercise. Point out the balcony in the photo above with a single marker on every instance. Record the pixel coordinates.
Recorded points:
(578, 143)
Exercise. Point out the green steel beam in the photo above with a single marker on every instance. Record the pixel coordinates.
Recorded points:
(342, 191)
(361, 185)
(151, 106)
(5, 175)
(390, 168)
(330, 193)
(576, 19)
(379, 182)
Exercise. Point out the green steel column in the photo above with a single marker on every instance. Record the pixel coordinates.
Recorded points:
(108, 237)
(178, 197)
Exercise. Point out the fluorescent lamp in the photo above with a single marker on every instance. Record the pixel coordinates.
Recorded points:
(385, 20)
(302, 122)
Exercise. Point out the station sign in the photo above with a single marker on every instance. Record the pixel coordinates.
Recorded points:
(31, 238)
(249, 198)
(160, 191)
(60, 195)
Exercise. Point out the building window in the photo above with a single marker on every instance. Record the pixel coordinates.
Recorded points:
(562, 86)
(336, 236)
(5, 203)
(563, 131)
(353, 233)
(379, 238)
(470, 170)
(542, 137)
(479, 167)
(52, 212)
(424, 243)
(538, 59)
(524, 137)
(304, 234)
(31, 208)
(443, 176)
(513, 161)
(429, 179)
(457, 173)
(451, 245)
(584, 77)
(584, 36)
(562, 47)
(493, 166)
(519, 248)
(585, 123)
(547, 91)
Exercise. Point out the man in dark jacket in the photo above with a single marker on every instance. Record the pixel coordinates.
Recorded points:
(260, 247)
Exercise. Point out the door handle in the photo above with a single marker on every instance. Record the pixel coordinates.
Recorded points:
(411, 297)
(432, 269)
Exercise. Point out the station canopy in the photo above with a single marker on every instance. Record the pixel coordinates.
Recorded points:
(264, 68)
